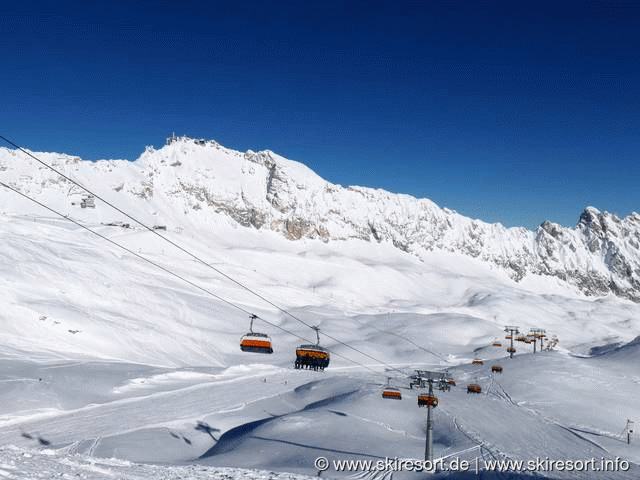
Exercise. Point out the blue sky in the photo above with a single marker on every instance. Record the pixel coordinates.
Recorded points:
(501, 111)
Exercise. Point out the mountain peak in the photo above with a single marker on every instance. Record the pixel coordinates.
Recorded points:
(200, 182)
(590, 213)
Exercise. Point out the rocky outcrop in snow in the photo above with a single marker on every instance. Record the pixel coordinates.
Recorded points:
(262, 190)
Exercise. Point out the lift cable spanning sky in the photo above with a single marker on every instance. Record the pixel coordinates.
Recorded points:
(192, 255)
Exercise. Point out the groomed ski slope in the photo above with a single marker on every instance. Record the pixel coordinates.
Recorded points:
(282, 420)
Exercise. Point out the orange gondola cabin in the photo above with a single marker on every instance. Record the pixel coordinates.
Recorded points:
(496, 369)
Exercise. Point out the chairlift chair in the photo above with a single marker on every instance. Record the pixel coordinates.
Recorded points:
(426, 400)
(474, 388)
(312, 357)
(390, 392)
(254, 341)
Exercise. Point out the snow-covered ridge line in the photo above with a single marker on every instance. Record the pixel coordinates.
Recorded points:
(196, 182)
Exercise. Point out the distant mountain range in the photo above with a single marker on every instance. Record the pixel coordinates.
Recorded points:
(261, 190)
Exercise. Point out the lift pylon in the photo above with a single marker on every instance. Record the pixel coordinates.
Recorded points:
(512, 330)
(537, 334)
(628, 429)
(422, 378)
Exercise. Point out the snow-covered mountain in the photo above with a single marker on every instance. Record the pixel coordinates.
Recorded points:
(107, 361)
(190, 179)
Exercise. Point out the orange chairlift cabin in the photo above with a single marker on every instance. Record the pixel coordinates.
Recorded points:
(313, 357)
(474, 388)
(427, 400)
(496, 369)
(255, 342)
(390, 392)
(477, 361)
(511, 350)
(496, 343)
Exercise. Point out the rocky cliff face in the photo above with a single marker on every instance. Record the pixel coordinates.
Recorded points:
(262, 190)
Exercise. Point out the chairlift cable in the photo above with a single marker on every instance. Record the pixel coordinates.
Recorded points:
(411, 342)
(170, 272)
(192, 255)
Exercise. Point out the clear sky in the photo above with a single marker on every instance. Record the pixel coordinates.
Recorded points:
(516, 112)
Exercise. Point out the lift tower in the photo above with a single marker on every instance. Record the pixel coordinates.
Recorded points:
(537, 334)
(512, 330)
(422, 379)
(628, 429)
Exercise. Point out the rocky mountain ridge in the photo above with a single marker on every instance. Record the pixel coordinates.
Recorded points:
(203, 181)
